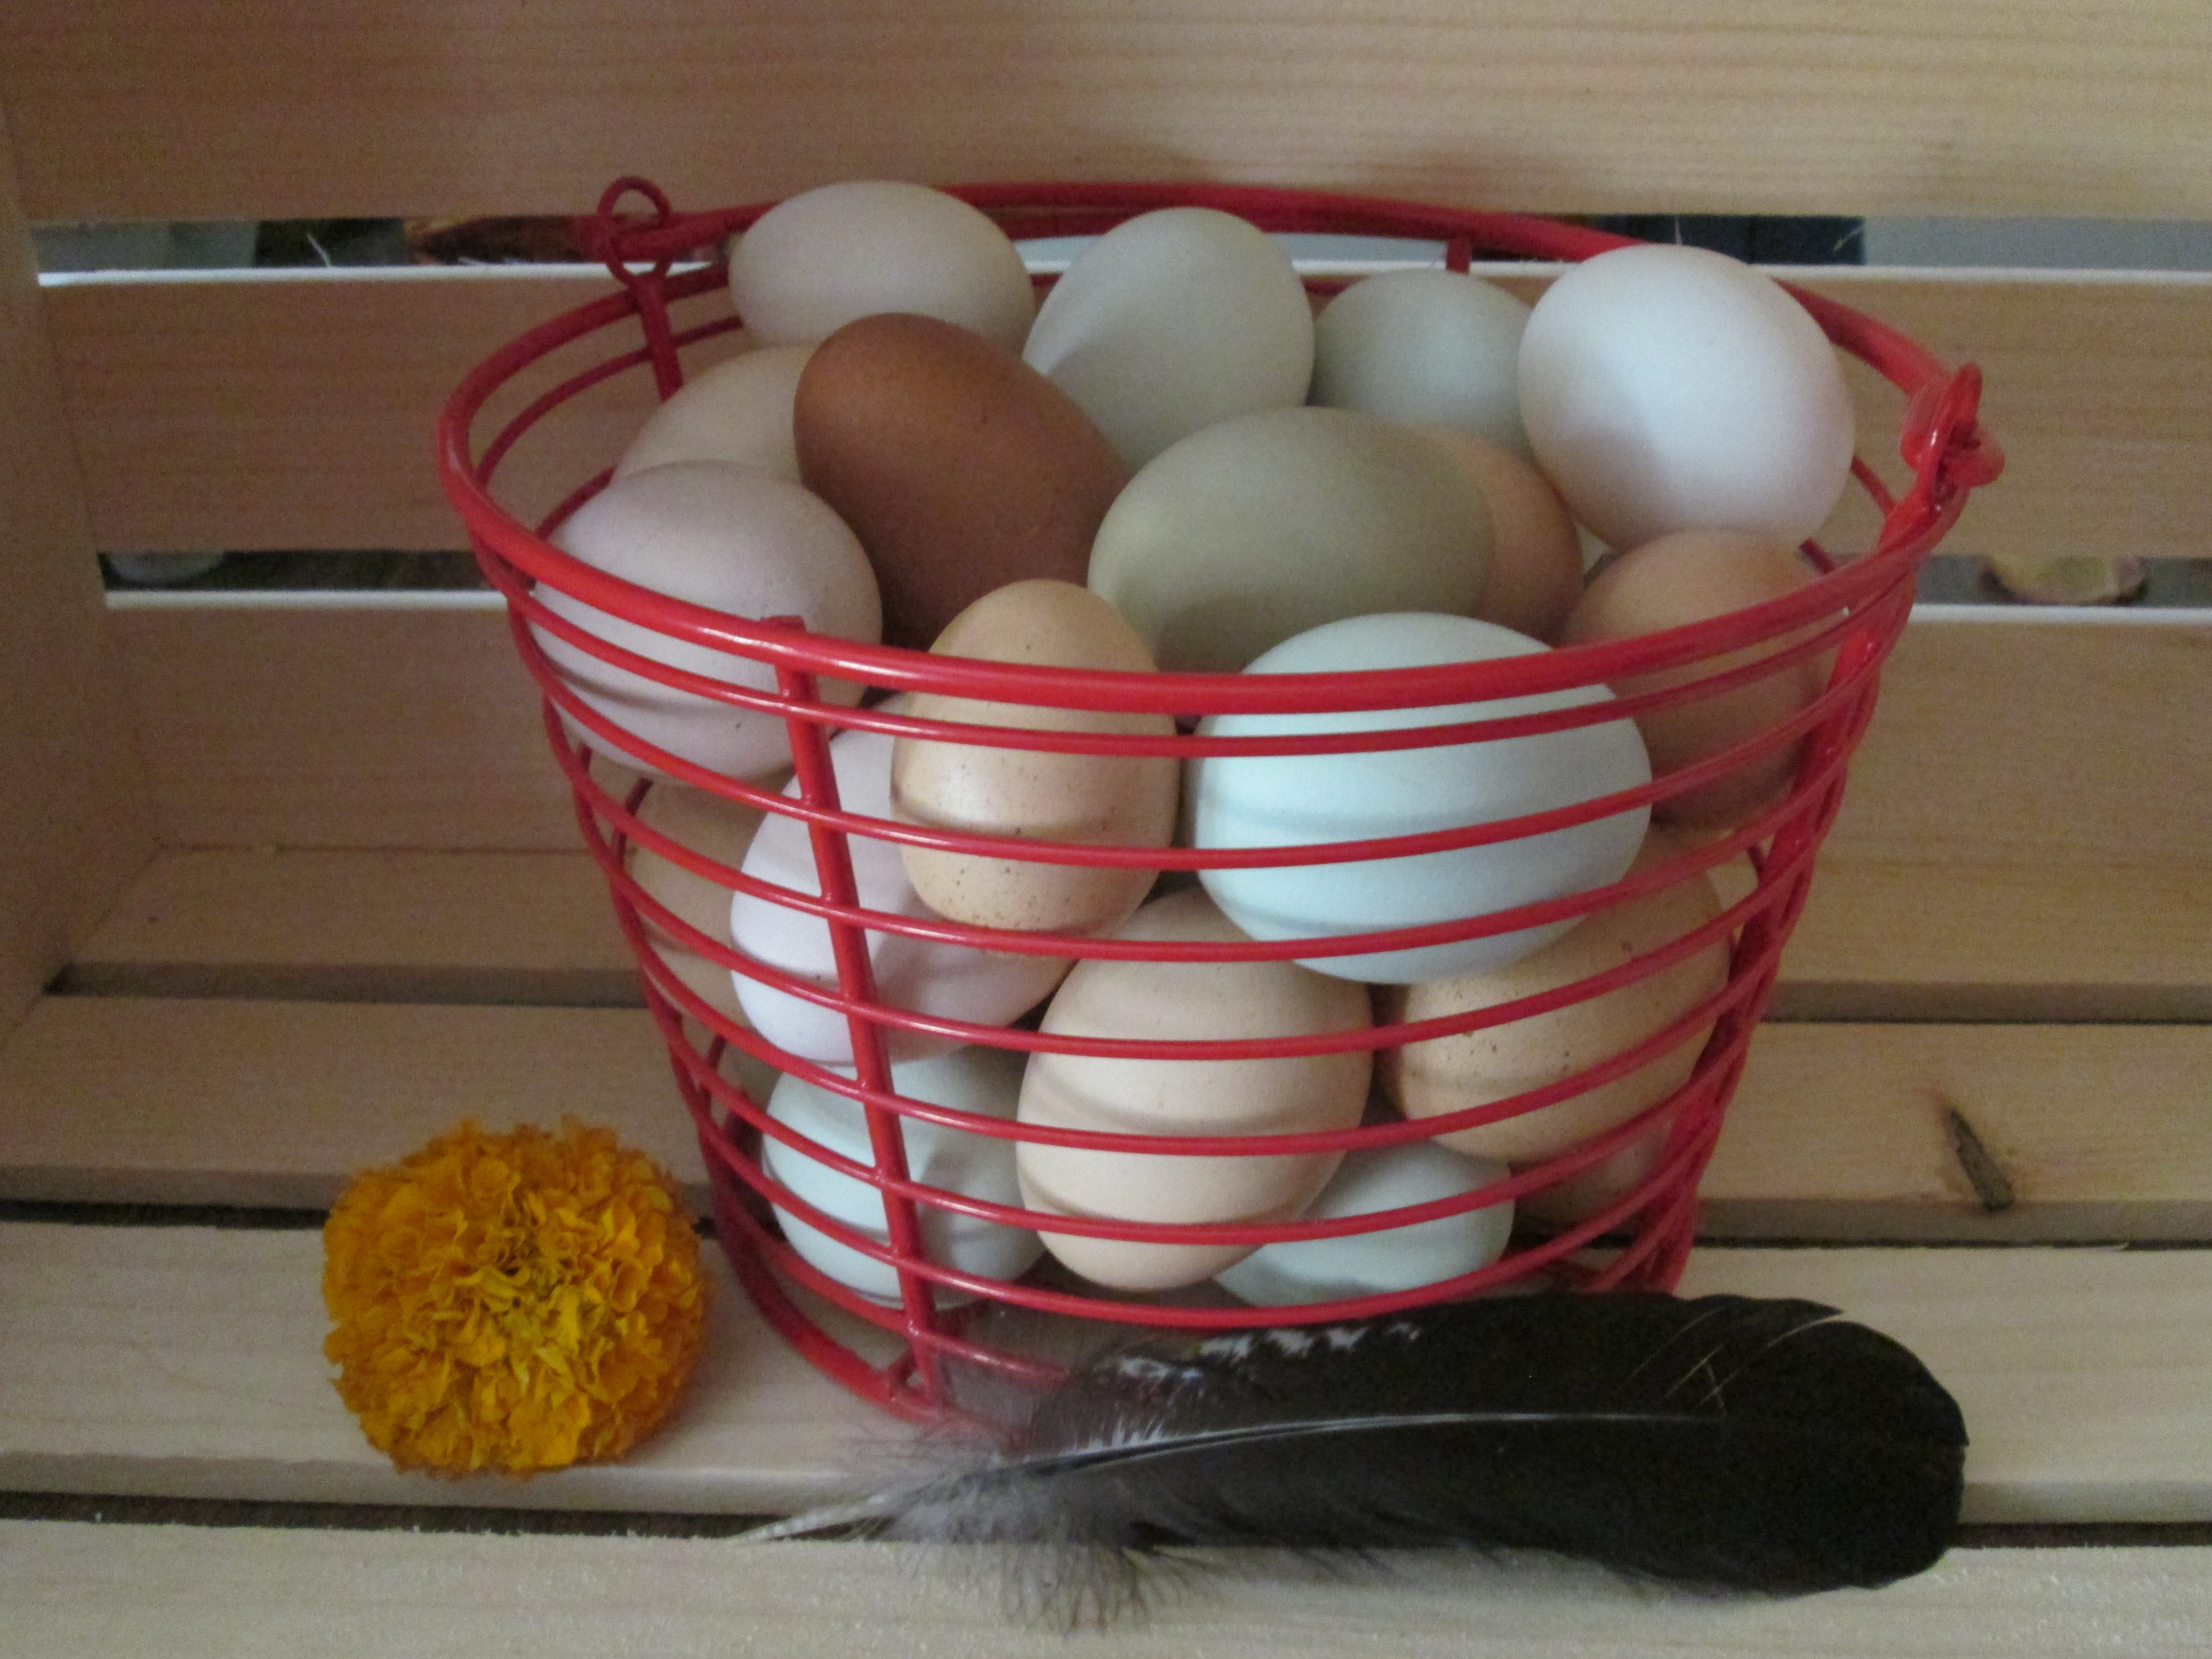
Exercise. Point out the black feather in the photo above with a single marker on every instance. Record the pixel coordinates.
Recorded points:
(1722, 1442)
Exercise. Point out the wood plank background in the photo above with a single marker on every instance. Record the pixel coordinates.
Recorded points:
(247, 108)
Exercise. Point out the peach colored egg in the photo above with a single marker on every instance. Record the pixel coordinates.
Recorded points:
(960, 467)
(739, 411)
(1567, 1203)
(1189, 1001)
(954, 981)
(1475, 1068)
(1536, 554)
(1686, 578)
(1111, 800)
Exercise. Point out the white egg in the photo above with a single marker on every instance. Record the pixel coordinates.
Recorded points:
(811, 265)
(984, 1081)
(1171, 321)
(1402, 1258)
(1429, 348)
(984, 987)
(1301, 800)
(1263, 525)
(731, 539)
(1672, 388)
(739, 411)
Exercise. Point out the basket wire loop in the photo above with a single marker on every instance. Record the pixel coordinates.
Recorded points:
(928, 1341)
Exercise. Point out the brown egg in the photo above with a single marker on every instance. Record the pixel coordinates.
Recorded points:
(959, 467)
(1475, 1068)
(1688, 577)
(1115, 800)
(1536, 557)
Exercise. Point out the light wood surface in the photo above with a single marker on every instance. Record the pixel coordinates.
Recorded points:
(180, 1593)
(186, 1362)
(292, 410)
(1837, 1131)
(247, 108)
(73, 817)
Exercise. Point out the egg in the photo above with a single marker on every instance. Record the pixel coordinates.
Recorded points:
(954, 981)
(813, 263)
(1477, 1068)
(1171, 321)
(984, 1081)
(1109, 800)
(733, 540)
(1402, 1258)
(1428, 348)
(1303, 801)
(1185, 1001)
(721, 830)
(1668, 388)
(1263, 526)
(1569, 1202)
(1690, 577)
(960, 468)
(1536, 553)
(738, 411)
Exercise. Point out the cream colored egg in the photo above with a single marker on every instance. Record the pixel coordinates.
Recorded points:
(1100, 799)
(1428, 348)
(728, 538)
(1475, 1068)
(739, 411)
(1259, 528)
(1536, 554)
(952, 982)
(1185, 1001)
(720, 829)
(1171, 321)
(812, 263)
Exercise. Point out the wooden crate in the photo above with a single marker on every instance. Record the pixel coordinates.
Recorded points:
(286, 886)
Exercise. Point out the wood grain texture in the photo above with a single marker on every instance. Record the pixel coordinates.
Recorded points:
(186, 1362)
(246, 109)
(1837, 1131)
(72, 810)
(184, 1593)
(293, 410)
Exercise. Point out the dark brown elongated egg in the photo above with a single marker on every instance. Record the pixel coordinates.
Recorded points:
(959, 467)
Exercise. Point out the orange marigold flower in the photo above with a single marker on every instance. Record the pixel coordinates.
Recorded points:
(517, 1302)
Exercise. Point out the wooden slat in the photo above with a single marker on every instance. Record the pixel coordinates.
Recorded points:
(183, 1593)
(208, 415)
(185, 1362)
(1837, 1131)
(246, 109)
(72, 810)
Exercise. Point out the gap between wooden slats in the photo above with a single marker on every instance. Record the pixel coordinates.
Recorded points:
(247, 109)
(293, 410)
(186, 1362)
(184, 1593)
(1837, 1131)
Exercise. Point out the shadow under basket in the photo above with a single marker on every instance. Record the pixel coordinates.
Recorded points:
(951, 1335)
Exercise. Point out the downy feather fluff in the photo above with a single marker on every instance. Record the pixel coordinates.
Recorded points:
(1722, 1442)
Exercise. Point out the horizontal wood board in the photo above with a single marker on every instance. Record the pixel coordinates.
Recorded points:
(293, 410)
(185, 1593)
(246, 109)
(186, 1362)
(1837, 1131)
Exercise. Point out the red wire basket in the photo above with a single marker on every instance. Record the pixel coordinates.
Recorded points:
(913, 1358)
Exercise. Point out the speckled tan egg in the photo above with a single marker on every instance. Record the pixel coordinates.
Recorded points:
(1536, 555)
(1115, 800)
(1475, 1068)
(1689, 577)
(959, 466)
(1185, 1001)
